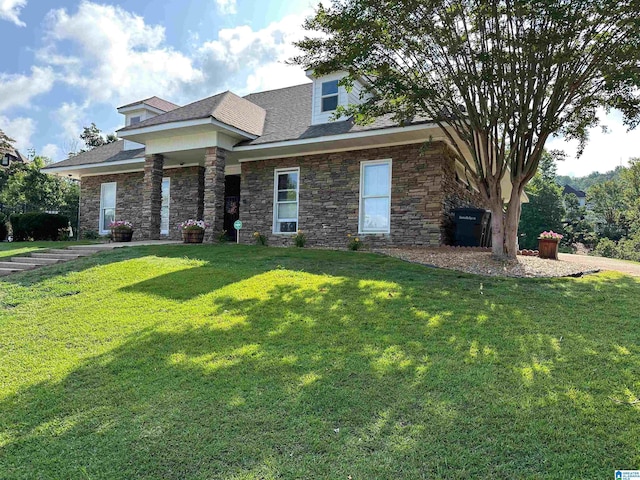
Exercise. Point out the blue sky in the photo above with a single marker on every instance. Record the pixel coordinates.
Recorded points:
(65, 64)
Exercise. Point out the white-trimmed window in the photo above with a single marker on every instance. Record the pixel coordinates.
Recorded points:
(107, 206)
(285, 200)
(134, 120)
(375, 196)
(329, 96)
(164, 211)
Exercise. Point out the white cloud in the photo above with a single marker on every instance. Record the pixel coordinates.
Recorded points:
(604, 151)
(20, 129)
(71, 118)
(53, 152)
(227, 7)
(10, 10)
(117, 56)
(255, 58)
(18, 90)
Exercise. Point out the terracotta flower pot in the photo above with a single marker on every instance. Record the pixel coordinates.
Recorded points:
(548, 248)
(121, 235)
(193, 236)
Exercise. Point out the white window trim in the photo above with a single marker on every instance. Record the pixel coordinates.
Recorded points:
(276, 172)
(166, 232)
(101, 219)
(363, 164)
(322, 97)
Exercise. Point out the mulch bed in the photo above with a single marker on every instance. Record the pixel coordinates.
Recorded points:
(480, 262)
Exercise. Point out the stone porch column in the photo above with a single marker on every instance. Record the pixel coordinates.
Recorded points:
(214, 163)
(152, 197)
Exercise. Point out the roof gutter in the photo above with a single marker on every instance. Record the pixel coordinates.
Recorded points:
(130, 161)
(333, 138)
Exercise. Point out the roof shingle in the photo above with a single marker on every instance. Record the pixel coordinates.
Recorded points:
(225, 107)
(111, 152)
(155, 102)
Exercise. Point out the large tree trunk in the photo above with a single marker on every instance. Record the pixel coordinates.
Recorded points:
(497, 229)
(504, 225)
(512, 220)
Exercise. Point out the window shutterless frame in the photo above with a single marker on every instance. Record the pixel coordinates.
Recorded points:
(108, 192)
(365, 226)
(290, 197)
(329, 96)
(166, 202)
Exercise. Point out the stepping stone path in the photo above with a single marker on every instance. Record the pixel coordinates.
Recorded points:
(45, 257)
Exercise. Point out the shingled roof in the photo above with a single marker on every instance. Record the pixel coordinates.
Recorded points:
(226, 107)
(568, 189)
(111, 152)
(289, 117)
(155, 102)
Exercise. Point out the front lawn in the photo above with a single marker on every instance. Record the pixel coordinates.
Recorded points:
(234, 362)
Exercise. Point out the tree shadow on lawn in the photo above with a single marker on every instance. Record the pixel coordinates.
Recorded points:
(330, 372)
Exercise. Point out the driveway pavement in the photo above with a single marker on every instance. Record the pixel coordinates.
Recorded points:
(603, 263)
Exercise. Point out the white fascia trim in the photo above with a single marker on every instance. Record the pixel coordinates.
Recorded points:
(140, 106)
(185, 124)
(94, 165)
(344, 149)
(333, 138)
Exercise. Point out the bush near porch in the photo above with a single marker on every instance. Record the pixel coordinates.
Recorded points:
(239, 362)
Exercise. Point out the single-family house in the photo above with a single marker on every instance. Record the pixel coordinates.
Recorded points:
(7, 158)
(281, 162)
(582, 196)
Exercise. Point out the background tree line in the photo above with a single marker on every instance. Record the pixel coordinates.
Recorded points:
(609, 223)
(24, 188)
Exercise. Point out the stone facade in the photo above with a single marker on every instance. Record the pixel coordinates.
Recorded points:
(152, 197)
(456, 195)
(128, 201)
(214, 164)
(423, 193)
(186, 199)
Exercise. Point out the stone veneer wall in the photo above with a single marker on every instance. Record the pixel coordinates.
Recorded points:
(187, 192)
(329, 196)
(456, 195)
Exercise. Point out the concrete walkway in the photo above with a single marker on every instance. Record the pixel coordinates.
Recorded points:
(53, 256)
(603, 263)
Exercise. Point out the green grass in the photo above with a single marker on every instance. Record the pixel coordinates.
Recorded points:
(235, 362)
(24, 248)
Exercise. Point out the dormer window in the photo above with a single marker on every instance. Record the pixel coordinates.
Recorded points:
(329, 96)
(134, 120)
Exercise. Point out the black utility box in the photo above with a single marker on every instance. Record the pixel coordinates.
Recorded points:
(473, 227)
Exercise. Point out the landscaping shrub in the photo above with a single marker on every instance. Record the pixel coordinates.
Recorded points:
(90, 235)
(3, 227)
(37, 226)
(629, 248)
(606, 248)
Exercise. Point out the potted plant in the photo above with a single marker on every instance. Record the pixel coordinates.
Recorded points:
(548, 243)
(193, 230)
(121, 231)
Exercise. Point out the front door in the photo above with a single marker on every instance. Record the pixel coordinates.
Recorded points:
(231, 204)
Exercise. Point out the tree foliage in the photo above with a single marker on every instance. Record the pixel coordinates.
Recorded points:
(6, 143)
(92, 138)
(498, 77)
(545, 210)
(23, 187)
